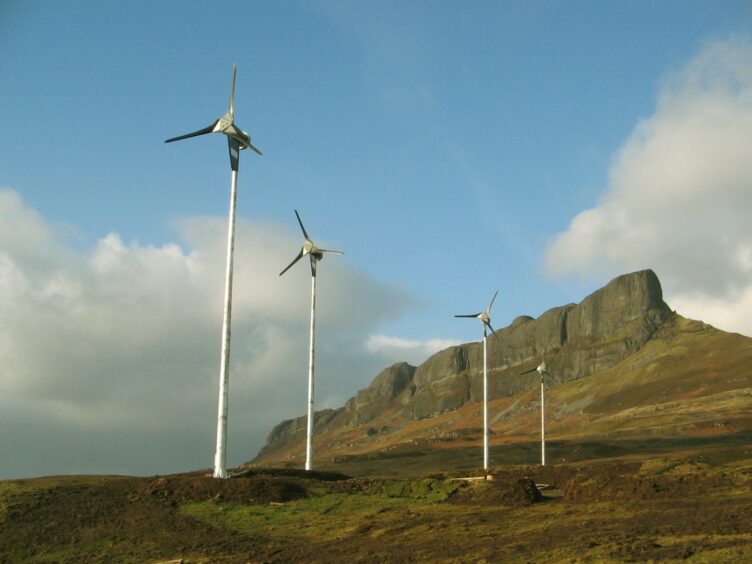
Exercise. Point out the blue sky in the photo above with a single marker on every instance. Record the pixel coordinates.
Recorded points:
(448, 148)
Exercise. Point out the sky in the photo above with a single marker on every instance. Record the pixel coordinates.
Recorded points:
(449, 149)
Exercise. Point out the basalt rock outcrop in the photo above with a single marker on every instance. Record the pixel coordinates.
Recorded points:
(291, 431)
(385, 388)
(576, 340)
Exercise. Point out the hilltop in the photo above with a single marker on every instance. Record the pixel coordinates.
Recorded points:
(627, 373)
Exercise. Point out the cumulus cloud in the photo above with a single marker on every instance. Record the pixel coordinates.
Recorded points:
(109, 358)
(679, 197)
(412, 351)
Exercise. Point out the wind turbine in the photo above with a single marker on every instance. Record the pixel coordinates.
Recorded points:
(485, 318)
(541, 370)
(315, 254)
(237, 139)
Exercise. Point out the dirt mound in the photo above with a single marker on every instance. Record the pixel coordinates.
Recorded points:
(512, 492)
(245, 489)
(429, 489)
(359, 485)
(320, 475)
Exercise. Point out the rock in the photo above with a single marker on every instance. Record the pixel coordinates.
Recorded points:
(612, 323)
(604, 314)
(439, 396)
(448, 362)
(291, 431)
(387, 385)
(366, 405)
(607, 326)
(576, 341)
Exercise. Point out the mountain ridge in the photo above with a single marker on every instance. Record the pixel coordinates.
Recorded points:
(405, 403)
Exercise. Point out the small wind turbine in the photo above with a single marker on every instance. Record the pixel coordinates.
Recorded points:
(541, 370)
(315, 254)
(237, 139)
(485, 318)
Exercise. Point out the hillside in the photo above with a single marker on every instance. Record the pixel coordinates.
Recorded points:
(623, 367)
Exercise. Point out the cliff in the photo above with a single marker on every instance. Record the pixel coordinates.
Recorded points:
(577, 340)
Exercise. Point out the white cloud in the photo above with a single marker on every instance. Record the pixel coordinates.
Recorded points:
(414, 352)
(679, 198)
(109, 359)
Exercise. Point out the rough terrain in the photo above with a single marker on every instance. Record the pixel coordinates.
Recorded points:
(668, 508)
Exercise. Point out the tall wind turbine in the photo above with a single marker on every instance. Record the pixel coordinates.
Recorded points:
(315, 254)
(542, 370)
(485, 318)
(237, 139)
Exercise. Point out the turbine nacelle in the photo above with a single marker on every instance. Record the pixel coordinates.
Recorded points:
(310, 249)
(227, 126)
(484, 317)
(236, 138)
(540, 369)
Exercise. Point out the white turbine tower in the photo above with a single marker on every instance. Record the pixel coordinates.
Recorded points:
(237, 139)
(315, 254)
(485, 318)
(542, 370)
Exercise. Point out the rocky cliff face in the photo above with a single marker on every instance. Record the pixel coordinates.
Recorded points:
(576, 340)
(291, 431)
(385, 388)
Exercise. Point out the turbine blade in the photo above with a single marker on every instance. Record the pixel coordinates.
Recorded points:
(203, 131)
(529, 371)
(231, 107)
(254, 148)
(297, 258)
(234, 148)
(492, 301)
(469, 315)
(330, 251)
(301, 226)
(493, 331)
